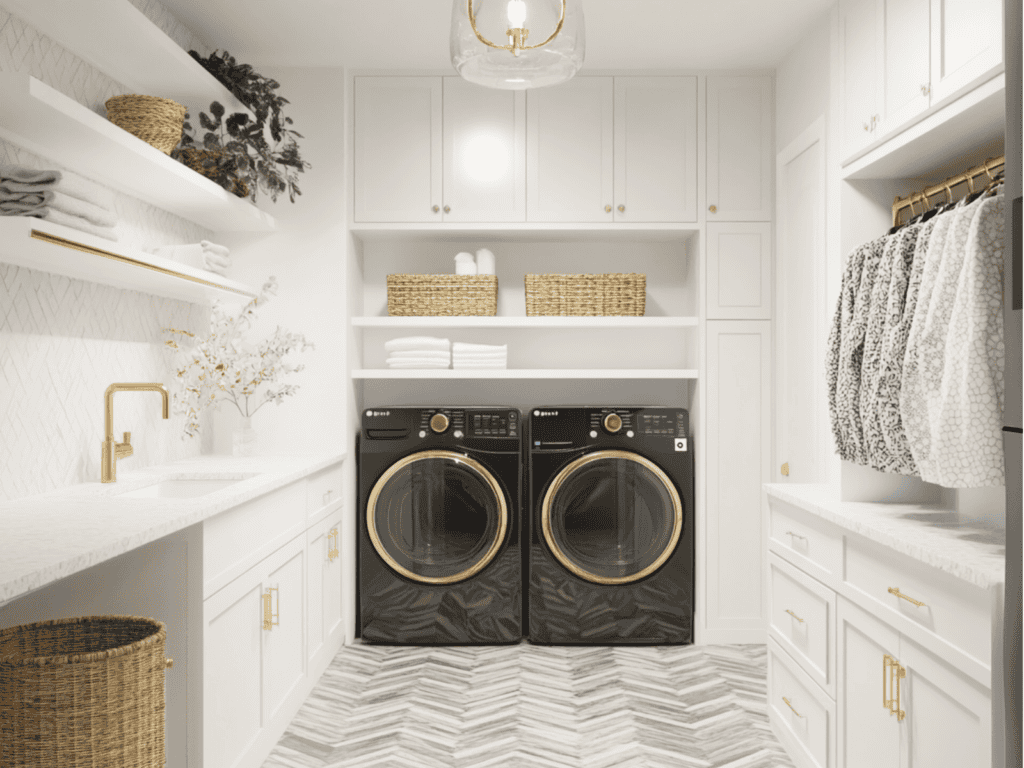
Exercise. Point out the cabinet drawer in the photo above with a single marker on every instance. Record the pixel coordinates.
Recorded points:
(954, 611)
(323, 490)
(807, 723)
(807, 541)
(803, 616)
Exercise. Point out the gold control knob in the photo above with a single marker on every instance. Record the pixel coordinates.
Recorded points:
(613, 422)
(439, 422)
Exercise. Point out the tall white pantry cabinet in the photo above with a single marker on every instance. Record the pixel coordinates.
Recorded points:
(636, 162)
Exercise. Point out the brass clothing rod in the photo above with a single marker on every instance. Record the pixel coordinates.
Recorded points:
(988, 169)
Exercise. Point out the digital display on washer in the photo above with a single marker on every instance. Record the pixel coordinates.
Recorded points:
(493, 423)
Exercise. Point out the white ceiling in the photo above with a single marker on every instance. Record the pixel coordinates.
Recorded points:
(413, 34)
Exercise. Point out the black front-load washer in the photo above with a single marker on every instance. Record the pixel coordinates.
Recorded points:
(611, 526)
(439, 525)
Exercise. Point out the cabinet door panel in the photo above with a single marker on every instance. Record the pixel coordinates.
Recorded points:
(858, 34)
(569, 151)
(655, 149)
(397, 149)
(740, 145)
(484, 163)
(316, 559)
(905, 72)
(967, 43)
(738, 455)
(869, 735)
(284, 644)
(332, 590)
(739, 271)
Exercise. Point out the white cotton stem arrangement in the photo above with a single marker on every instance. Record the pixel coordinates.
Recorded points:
(227, 367)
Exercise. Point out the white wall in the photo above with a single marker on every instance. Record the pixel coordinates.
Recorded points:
(802, 80)
(307, 255)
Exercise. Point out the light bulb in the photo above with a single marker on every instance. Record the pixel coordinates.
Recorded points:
(516, 13)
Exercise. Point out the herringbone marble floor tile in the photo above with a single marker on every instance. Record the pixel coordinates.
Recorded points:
(528, 706)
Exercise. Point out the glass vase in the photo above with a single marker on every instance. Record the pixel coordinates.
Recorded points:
(243, 441)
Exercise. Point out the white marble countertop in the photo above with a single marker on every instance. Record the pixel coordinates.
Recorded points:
(971, 549)
(53, 535)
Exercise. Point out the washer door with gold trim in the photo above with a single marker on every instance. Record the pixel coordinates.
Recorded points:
(437, 517)
(612, 517)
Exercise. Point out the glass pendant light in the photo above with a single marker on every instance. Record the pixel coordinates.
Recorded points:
(517, 44)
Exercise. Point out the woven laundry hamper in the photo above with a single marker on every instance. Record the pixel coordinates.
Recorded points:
(614, 294)
(442, 295)
(83, 692)
(156, 121)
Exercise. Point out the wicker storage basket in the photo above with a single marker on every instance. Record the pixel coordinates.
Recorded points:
(610, 294)
(205, 161)
(154, 120)
(433, 295)
(83, 692)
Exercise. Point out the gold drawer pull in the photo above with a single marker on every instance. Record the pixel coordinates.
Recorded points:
(791, 707)
(332, 545)
(896, 591)
(794, 616)
(796, 535)
(271, 619)
(895, 672)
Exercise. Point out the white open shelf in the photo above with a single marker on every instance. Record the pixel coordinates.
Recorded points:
(48, 123)
(119, 40)
(41, 245)
(638, 323)
(526, 232)
(526, 373)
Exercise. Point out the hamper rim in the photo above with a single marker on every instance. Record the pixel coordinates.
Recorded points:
(15, 660)
(128, 96)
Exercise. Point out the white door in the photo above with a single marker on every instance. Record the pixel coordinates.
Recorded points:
(398, 149)
(740, 142)
(967, 43)
(655, 149)
(868, 733)
(858, 41)
(323, 587)
(948, 716)
(484, 153)
(332, 588)
(739, 284)
(904, 38)
(738, 454)
(569, 151)
(232, 669)
(284, 643)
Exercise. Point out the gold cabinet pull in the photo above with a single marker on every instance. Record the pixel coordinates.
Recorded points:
(794, 616)
(447, 209)
(788, 704)
(896, 591)
(796, 535)
(713, 208)
(271, 619)
(622, 209)
(332, 545)
(892, 673)
(436, 209)
(607, 209)
(169, 663)
(784, 470)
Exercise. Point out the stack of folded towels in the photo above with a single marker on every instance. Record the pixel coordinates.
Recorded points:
(201, 255)
(60, 197)
(418, 352)
(479, 355)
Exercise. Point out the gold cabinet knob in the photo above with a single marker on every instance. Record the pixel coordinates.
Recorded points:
(622, 209)
(784, 470)
(436, 209)
(607, 209)
(613, 422)
(713, 208)
(447, 209)
(439, 422)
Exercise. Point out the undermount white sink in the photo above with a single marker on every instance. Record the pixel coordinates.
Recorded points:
(184, 488)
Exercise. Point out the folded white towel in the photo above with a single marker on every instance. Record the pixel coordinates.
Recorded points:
(495, 365)
(214, 248)
(419, 364)
(417, 342)
(24, 203)
(484, 262)
(480, 358)
(17, 178)
(192, 255)
(76, 222)
(462, 346)
(416, 353)
(215, 264)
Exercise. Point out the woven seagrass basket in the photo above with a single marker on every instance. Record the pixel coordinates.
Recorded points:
(83, 692)
(156, 121)
(447, 295)
(204, 161)
(594, 295)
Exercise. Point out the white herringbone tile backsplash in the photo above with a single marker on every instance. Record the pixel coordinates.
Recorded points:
(62, 341)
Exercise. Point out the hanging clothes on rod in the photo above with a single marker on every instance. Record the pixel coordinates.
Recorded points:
(915, 353)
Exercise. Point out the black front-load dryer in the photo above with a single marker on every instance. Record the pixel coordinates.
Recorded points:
(439, 532)
(611, 526)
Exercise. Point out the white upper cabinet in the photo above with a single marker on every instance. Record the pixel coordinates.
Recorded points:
(904, 76)
(655, 149)
(739, 283)
(858, 39)
(739, 172)
(484, 140)
(967, 43)
(398, 149)
(569, 151)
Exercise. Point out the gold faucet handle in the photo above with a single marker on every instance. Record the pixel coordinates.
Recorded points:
(124, 450)
(127, 438)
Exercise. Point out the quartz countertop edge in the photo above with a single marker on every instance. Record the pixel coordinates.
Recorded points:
(929, 533)
(53, 535)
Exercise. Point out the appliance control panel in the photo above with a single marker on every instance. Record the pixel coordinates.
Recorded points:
(499, 423)
(665, 423)
(442, 421)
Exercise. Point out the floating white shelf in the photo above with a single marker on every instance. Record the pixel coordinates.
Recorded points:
(638, 323)
(45, 121)
(527, 232)
(40, 245)
(119, 40)
(526, 373)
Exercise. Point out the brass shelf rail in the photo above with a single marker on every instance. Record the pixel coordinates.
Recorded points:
(987, 169)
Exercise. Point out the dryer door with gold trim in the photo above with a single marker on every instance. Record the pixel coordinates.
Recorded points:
(611, 517)
(437, 517)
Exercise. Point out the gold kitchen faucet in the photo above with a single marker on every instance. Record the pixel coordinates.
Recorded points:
(113, 451)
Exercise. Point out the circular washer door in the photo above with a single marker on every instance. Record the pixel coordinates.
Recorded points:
(437, 517)
(612, 517)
